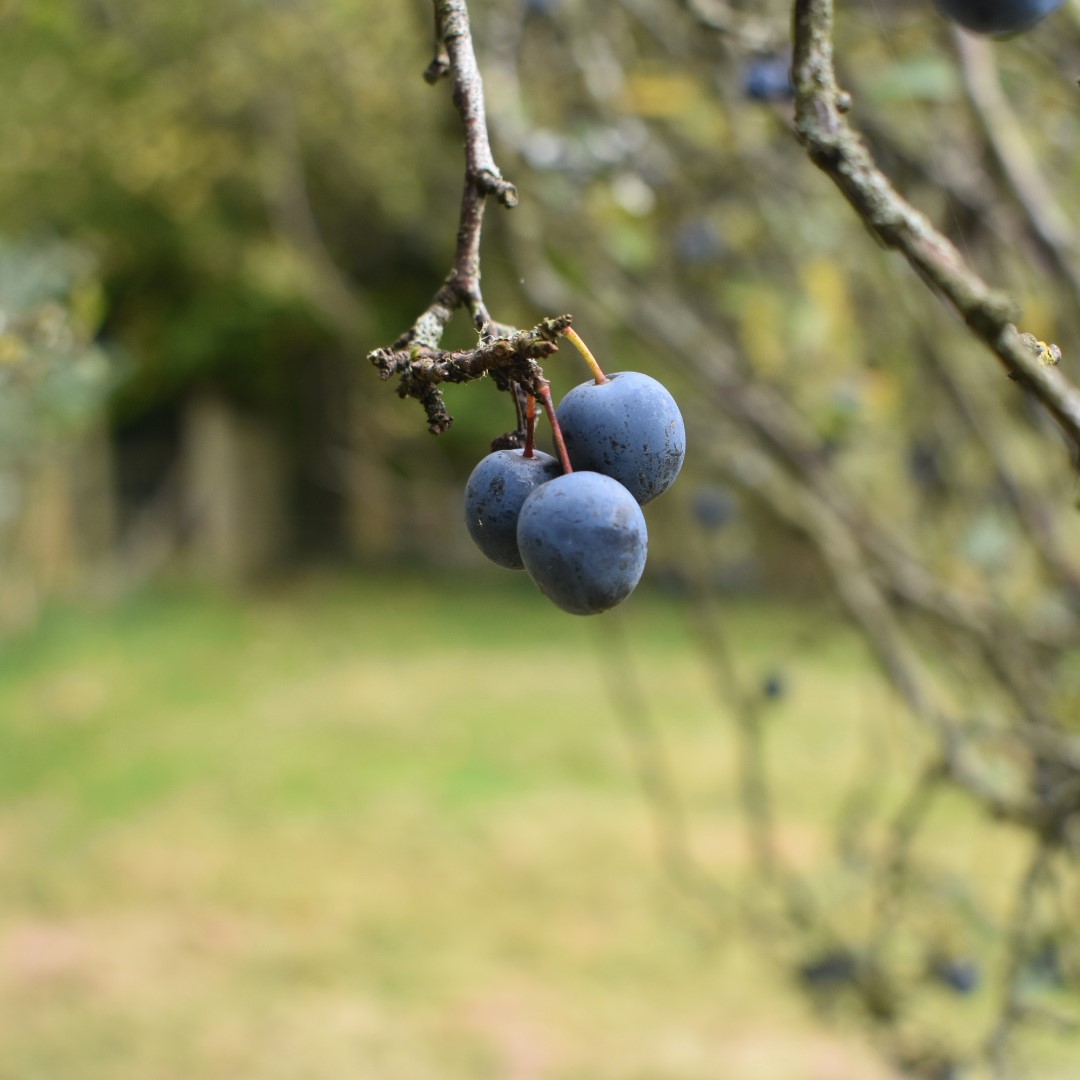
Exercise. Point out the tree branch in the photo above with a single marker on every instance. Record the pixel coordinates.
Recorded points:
(415, 357)
(836, 148)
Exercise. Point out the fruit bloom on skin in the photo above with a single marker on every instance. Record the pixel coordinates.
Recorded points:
(583, 540)
(628, 428)
(997, 16)
(498, 486)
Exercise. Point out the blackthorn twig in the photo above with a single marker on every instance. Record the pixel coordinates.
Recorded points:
(508, 353)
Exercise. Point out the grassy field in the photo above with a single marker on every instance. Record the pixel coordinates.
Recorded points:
(391, 829)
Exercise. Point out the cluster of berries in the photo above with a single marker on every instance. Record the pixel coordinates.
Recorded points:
(579, 531)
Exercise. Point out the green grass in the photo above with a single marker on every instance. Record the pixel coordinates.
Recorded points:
(391, 829)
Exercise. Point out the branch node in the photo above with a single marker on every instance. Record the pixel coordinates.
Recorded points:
(439, 67)
(490, 182)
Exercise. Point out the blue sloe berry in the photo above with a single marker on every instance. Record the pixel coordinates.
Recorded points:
(698, 242)
(997, 16)
(583, 540)
(772, 686)
(629, 428)
(498, 486)
(1046, 967)
(768, 78)
(960, 976)
(714, 507)
(829, 969)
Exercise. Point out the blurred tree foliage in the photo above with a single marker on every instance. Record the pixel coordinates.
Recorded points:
(52, 374)
(241, 174)
(54, 379)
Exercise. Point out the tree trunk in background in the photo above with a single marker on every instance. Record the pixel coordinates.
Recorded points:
(372, 495)
(233, 492)
(60, 541)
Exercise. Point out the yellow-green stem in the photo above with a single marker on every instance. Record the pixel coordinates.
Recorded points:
(582, 348)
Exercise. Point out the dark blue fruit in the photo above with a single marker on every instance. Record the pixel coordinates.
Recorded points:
(960, 976)
(997, 16)
(493, 496)
(714, 507)
(583, 540)
(772, 686)
(833, 968)
(1047, 966)
(628, 428)
(768, 78)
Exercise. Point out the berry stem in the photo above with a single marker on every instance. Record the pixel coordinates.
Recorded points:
(556, 432)
(582, 348)
(530, 426)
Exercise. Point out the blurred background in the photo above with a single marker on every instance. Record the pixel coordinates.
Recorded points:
(294, 784)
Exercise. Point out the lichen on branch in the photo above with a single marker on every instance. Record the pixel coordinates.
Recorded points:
(512, 360)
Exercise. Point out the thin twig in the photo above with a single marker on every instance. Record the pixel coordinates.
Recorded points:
(511, 359)
(654, 772)
(1012, 1006)
(1018, 162)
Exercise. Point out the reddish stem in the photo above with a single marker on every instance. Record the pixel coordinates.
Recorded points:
(556, 431)
(530, 426)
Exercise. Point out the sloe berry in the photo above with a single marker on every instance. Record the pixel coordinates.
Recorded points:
(714, 507)
(583, 540)
(768, 78)
(628, 428)
(498, 486)
(772, 686)
(997, 16)
(960, 976)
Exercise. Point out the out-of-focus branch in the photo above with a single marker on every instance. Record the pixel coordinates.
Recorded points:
(751, 32)
(1012, 1005)
(746, 712)
(289, 207)
(1007, 142)
(869, 608)
(754, 790)
(654, 773)
(895, 860)
(980, 412)
(836, 148)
